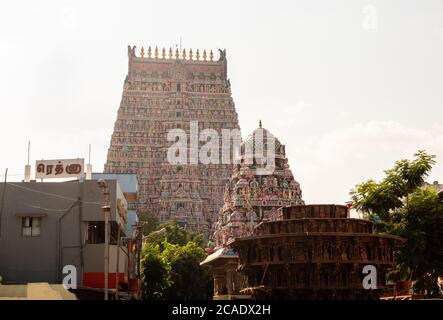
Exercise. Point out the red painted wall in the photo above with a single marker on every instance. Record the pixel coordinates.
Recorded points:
(97, 279)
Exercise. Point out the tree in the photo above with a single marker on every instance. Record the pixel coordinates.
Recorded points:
(398, 205)
(190, 280)
(381, 198)
(173, 233)
(423, 229)
(171, 265)
(155, 273)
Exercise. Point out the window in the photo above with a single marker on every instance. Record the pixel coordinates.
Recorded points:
(96, 232)
(30, 226)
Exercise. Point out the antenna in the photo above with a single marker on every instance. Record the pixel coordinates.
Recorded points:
(89, 166)
(28, 166)
(29, 149)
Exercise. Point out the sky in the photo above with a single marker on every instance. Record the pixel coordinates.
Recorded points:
(348, 86)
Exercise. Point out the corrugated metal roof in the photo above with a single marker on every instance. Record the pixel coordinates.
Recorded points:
(220, 253)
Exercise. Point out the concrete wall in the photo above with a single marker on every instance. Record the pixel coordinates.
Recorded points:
(41, 258)
(94, 258)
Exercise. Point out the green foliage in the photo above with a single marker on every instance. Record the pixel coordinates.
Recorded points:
(155, 273)
(423, 251)
(399, 206)
(177, 254)
(171, 232)
(190, 281)
(381, 198)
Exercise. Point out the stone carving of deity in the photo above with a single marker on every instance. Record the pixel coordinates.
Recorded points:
(251, 216)
(363, 253)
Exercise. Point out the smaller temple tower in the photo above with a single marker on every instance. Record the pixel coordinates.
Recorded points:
(252, 194)
(261, 183)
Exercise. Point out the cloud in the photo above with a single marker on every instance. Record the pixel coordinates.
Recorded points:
(343, 115)
(297, 108)
(330, 164)
(439, 30)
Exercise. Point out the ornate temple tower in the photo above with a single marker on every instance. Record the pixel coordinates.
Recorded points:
(164, 91)
(251, 197)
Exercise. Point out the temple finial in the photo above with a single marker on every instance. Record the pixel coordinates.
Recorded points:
(177, 55)
(259, 124)
(149, 52)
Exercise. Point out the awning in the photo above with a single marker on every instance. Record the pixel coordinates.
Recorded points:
(31, 215)
(222, 253)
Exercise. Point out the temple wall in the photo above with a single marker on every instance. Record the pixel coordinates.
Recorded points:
(314, 252)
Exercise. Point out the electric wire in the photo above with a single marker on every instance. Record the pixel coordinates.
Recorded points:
(51, 194)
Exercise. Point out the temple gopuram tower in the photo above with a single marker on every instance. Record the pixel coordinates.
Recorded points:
(251, 197)
(166, 90)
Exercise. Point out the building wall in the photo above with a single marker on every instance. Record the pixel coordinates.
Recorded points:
(438, 187)
(129, 186)
(41, 258)
(94, 258)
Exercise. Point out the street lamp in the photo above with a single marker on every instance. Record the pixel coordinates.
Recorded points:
(106, 209)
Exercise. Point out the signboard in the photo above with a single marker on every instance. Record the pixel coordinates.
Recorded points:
(63, 168)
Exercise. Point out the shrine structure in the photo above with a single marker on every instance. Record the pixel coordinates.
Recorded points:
(315, 252)
(251, 196)
(270, 245)
(165, 90)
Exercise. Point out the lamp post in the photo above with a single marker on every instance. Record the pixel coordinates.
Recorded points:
(139, 239)
(117, 268)
(106, 209)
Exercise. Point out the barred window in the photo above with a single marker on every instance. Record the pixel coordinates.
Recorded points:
(31, 226)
